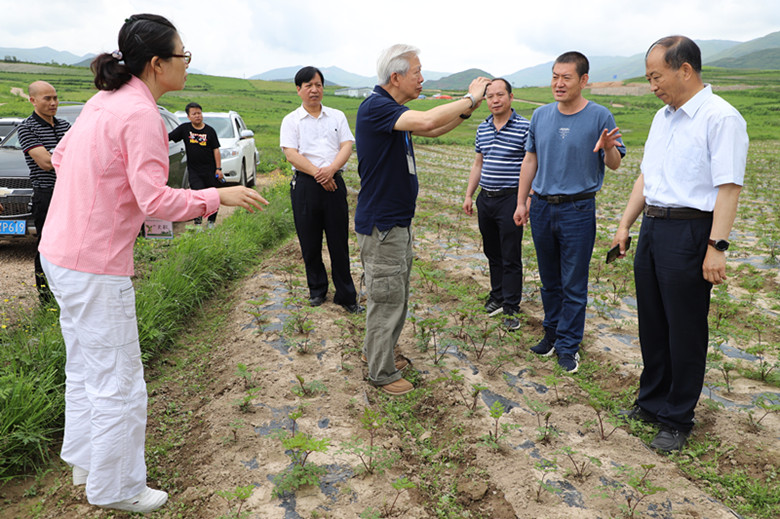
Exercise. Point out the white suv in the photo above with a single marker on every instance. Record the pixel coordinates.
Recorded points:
(237, 145)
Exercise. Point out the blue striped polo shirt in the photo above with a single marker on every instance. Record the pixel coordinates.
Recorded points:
(502, 151)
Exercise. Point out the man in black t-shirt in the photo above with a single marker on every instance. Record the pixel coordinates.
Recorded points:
(204, 162)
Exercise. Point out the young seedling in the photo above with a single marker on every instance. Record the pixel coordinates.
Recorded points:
(400, 485)
(599, 408)
(235, 425)
(553, 380)
(299, 448)
(493, 437)
(247, 374)
(641, 487)
(245, 402)
(307, 389)
(545, 467)
(259, 315)
(766, 406)
(241, 494)
(581, 469)
(374, 459)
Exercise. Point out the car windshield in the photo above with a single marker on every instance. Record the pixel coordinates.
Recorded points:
(222, 125)
(11, 141)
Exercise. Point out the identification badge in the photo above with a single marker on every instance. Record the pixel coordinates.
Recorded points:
(409, 157)
(410, 163)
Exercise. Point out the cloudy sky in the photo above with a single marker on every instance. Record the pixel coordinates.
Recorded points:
(242, 38)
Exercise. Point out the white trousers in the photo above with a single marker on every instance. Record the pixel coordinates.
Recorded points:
(105, 392)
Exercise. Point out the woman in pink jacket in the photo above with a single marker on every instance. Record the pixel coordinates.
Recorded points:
(112, 169)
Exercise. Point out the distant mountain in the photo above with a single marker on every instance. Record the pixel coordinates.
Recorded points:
(610, 68)
(44, 55)
(333, 76)
(457, 81)
(770, 41)
(761, 59)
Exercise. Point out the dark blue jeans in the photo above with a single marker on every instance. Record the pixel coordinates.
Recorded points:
(564, 235)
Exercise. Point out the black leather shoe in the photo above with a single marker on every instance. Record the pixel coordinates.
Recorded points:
(637, 413)
(668, 440)
(316, 300)
(354, 308)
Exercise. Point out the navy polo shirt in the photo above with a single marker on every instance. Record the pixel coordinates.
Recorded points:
(388, 190)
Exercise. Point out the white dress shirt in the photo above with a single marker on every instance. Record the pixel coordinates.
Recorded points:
(692, 150)
(317, 139)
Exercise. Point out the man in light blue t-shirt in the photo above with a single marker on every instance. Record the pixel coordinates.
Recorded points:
(569, 143)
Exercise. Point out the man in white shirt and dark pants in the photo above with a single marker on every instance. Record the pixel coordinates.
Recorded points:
(317, 142)
(691, 176)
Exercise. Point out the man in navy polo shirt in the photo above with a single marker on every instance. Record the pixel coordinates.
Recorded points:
(387, 198)
(500, 148)
(39, 134)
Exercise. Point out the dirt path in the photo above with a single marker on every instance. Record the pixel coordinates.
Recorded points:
(201, 442)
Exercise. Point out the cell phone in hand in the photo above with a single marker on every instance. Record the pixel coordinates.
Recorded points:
(614, 252)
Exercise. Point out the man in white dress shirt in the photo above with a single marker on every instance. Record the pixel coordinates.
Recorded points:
(317, 142)
(691, 176)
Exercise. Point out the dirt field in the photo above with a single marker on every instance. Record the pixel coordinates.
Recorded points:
(201, 442)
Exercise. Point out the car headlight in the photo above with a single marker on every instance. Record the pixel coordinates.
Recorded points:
(228, 153)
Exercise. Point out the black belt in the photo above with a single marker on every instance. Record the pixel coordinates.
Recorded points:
(498, 192)
(559, 199)
(675, 213)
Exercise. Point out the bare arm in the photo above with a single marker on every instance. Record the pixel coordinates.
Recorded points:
(474, 176)
(527, 175)
(634, 207)
(443, 118)
(714, 267)
(42, 157)
(218, 160)
(608, 141)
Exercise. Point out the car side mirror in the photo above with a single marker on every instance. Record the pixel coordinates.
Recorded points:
(246, 134)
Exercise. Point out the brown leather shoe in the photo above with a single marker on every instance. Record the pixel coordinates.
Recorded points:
(400, 361)
(399, 387)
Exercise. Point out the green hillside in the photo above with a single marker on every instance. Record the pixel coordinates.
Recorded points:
(459, 81)
(762, 59)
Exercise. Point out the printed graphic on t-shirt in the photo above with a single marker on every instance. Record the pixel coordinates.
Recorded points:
(563, 132)
(198, 138)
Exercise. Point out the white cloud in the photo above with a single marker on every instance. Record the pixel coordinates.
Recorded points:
(246, 37)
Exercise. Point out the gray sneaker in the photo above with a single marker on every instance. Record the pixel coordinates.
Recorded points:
(493, 307)
(512, 323)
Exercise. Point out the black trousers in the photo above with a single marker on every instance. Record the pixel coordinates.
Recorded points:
(204, 181)
(316, 210)
(40, 208)
(502, 242)
(673, 300)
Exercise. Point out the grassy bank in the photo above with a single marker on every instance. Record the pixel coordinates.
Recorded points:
(175, 278)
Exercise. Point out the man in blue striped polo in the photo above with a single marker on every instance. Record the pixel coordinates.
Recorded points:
(500, 148)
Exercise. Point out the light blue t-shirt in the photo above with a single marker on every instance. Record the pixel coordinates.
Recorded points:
(564, 149)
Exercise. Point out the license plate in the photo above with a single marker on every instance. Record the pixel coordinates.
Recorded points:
(13, 227)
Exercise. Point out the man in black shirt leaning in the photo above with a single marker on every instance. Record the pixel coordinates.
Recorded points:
(204, 162)
(38, 136)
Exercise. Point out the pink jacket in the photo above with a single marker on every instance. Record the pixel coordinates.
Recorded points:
(112, 168)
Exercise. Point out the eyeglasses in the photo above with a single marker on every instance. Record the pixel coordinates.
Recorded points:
(187, 56)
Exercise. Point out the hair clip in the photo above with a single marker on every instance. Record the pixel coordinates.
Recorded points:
(117, 55)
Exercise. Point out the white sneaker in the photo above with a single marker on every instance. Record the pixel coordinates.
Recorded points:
(148, 500)
(211, 225)
(79, 476)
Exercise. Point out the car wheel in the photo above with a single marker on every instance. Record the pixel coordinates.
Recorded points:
(251, 182)
(242, 180)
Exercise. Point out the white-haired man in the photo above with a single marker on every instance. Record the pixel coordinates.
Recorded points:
(387, 198)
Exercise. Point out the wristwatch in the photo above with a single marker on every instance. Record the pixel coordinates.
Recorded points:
(471, 99)
(720, 245)
(464, 116)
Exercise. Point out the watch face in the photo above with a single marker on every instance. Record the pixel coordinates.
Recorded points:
(721, 245)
